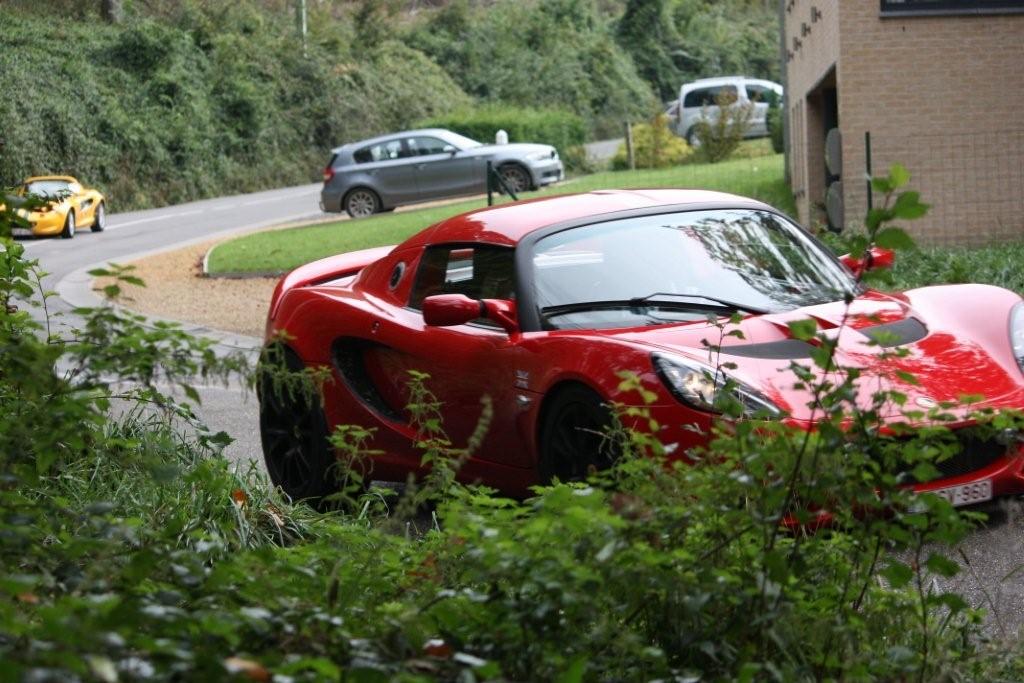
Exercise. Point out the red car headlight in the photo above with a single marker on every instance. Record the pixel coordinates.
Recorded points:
(705, 388)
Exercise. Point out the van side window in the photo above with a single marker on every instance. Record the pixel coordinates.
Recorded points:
(695, 98)
(708, 97)
(757, 93)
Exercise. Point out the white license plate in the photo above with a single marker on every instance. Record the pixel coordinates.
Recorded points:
(21, 232)
(967, 494)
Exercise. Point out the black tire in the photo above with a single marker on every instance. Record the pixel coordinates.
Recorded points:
(361, 202)
(691, 137)
(573, 435)
(69, 226)
(516, 178)
(293, 431)
(99, 218)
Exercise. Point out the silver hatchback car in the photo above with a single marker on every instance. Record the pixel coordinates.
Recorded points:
(378, 174)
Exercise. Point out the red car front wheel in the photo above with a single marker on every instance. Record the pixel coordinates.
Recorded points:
(574, 439)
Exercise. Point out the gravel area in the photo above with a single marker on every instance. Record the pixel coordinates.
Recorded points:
(176, 289)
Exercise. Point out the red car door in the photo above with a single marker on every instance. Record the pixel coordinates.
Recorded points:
(464, 362)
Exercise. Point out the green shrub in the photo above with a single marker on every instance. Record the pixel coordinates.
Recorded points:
(654, 146)
(721, 129)
(561, 129)
(129, 550)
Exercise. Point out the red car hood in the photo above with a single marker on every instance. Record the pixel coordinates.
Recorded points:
(949, 353)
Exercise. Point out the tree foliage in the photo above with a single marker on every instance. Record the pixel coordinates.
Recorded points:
(198, 104)
(556, 53)
(647, 32)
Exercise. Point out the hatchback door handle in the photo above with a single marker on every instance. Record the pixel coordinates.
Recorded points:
(420, 167)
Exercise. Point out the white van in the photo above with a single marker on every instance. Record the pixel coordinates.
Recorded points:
(693, 97)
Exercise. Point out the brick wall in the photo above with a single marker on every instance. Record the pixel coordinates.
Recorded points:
(942, 95)
(809, 61)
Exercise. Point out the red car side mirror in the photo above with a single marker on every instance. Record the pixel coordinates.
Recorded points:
(877, 257)
(446, 310)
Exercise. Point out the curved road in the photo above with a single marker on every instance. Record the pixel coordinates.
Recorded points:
(129, 236)
(990, 580)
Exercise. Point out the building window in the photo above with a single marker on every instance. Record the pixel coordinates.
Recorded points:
(897, 8)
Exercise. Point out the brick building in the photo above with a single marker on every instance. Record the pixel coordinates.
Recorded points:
(938, 84)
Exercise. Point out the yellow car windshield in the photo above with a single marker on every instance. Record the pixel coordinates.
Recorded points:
(47, 188)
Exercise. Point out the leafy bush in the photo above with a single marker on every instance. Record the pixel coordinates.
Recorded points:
(561, 129)
(721, 129)
(654, 146)
(130, 550)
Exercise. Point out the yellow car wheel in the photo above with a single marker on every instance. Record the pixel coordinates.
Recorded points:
(99, 218)
(69, 226)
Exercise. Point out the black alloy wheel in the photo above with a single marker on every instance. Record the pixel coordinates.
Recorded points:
(574, 440)
(293, 429)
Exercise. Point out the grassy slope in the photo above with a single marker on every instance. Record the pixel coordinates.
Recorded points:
(281, 250)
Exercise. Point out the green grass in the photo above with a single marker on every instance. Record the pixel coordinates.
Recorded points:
(993, 265)
(280, 250)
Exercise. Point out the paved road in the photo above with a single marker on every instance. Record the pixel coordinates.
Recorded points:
(602, 150)
(131, 235)
(995, 552)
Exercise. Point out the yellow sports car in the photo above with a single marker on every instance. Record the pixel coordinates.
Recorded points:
(70, 207)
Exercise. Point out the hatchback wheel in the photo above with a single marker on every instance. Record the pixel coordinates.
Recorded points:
(516, 178)
(361, 202)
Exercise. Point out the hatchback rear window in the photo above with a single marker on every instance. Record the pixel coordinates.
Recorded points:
(384, 151)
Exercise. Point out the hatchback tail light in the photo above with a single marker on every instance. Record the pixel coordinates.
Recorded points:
(328, 174)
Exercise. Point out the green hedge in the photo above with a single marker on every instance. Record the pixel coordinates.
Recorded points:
(549, 126)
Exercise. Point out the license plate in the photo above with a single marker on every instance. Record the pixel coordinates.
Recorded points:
(21, 232)
(967, 494)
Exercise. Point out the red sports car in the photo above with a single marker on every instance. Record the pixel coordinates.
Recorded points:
(541, 304)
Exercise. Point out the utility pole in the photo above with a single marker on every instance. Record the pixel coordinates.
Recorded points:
(783, 67)
(301, 23)
(111, 10)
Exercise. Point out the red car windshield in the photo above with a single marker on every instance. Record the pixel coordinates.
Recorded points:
(675, 267)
